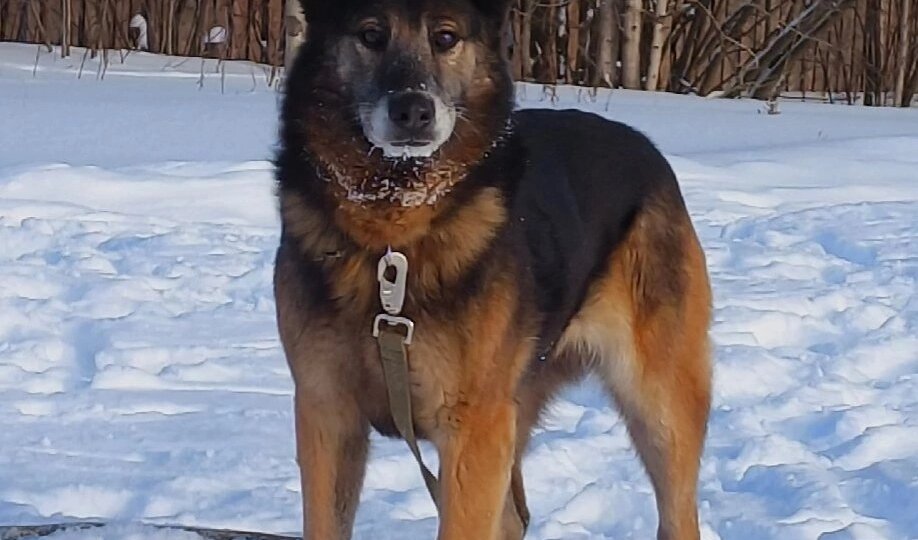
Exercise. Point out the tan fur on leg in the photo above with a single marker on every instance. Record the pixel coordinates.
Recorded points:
(475, 463)
(651, 350)
(332, 453)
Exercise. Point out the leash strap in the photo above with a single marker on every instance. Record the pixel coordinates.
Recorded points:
(394, 355)
(392, 275)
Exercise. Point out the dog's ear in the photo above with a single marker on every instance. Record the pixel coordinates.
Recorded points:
(496, 10)
(313, 10)
(309, 7)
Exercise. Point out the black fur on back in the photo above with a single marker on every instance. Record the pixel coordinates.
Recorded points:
(583, 180)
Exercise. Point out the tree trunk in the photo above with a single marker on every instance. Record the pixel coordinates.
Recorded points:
(573, 41)
(631, 56)
(12, 23)
(607, 44)
(275, 15)
(223, 14)
(66, 27)
(256, 31)
(662, 25)
(169, 34)
(525, 44)
(295, 24)
(189, 25)
(516, 28)
(107, 25)
(122, 17)
(148, 9)
(239, 37)
(873, 54)
(904, 41)
(911, 88)
(91, 26)
(549, 57)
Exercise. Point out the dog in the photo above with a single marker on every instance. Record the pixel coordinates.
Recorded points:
(540, 246)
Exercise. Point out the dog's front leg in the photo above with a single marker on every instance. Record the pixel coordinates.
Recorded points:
(332, 440)
(476, 457)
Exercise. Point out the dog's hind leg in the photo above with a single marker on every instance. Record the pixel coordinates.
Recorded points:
(516, 513)
(650, 344)
(666, 415)
(541, 383)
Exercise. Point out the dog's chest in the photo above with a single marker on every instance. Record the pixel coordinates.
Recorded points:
(434, 377)
(452, 279)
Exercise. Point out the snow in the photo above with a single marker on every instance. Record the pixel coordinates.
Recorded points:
(141, 380)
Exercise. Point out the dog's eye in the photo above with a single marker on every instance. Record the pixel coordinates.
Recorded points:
(445, 40)
(373, 38)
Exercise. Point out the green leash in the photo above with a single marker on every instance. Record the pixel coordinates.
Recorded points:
(393, 353)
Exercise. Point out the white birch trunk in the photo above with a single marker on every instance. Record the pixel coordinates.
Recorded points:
(295, 24)
(661, 29)
(631, 55)
(605, 68)
(66, 15)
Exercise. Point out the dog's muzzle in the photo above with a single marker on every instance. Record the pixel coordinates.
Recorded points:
(409, 124)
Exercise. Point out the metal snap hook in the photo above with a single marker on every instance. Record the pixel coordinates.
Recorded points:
(392, 292)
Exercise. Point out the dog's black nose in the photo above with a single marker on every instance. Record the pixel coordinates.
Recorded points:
(411, 111)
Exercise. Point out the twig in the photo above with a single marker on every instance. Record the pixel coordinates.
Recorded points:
(35, 67)
(720, 30)
(83, 63)
(103, 67)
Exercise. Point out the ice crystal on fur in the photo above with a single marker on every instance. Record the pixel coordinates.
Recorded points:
(410, 188)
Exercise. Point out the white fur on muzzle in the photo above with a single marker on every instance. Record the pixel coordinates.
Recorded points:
(377, 128)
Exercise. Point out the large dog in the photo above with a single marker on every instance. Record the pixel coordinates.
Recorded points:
(541, 246)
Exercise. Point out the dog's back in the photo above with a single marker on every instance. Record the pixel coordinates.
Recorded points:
(585, 180)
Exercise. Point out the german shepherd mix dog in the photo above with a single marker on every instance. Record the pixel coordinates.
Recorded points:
(541, 246)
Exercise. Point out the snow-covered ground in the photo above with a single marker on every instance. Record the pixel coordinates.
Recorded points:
(141, 378)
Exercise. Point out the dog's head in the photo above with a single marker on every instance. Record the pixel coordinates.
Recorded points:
(409, 80)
